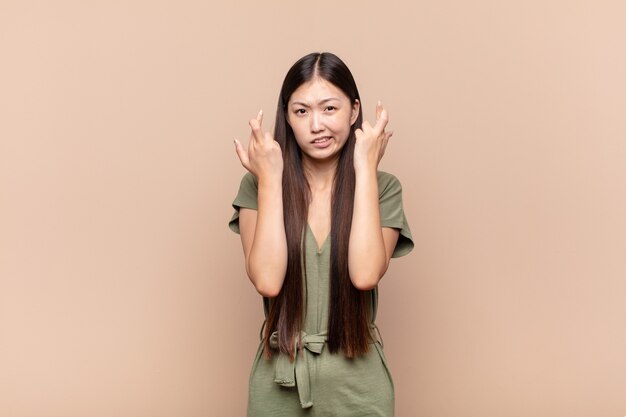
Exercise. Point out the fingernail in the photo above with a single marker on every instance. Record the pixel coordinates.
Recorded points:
(380, 103)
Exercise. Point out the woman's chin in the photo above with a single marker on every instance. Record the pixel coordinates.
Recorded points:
(322, 155)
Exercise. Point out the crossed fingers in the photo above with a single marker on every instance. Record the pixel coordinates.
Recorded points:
(256, 136)
(257, 130)
(382, 118)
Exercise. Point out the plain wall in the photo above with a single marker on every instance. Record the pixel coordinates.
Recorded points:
(123, 293)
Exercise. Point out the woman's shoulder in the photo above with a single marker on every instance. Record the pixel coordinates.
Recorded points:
(249, 180)
(248, 191)
(249, 184)
(387, 182)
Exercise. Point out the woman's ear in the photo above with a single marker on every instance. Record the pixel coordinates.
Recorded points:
(356, 106)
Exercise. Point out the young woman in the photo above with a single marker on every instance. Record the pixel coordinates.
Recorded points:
(319, 224)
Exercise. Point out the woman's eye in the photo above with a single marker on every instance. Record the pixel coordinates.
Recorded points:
(300, 111)
(330, 108)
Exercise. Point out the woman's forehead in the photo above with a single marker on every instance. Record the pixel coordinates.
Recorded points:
(316, 91)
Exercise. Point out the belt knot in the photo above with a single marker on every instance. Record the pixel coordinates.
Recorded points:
(287, 372)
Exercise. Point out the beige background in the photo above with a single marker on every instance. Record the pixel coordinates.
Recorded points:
(122, 291)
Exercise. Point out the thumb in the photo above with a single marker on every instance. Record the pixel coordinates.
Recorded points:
(242, 154)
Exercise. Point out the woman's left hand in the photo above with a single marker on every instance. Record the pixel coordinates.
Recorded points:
(371, 141)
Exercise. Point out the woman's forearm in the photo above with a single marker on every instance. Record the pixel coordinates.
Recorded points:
(367, 259)
(267, 261)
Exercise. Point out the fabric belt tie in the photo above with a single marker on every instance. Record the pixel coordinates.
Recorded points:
(288, 372)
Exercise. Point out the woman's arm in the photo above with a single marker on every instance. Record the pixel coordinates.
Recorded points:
(263, 231)
(371, 245)
(264, 241)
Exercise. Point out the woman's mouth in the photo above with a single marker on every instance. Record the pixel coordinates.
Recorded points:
(322, 142)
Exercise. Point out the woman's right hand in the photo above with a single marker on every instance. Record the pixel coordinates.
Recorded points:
(263, 158)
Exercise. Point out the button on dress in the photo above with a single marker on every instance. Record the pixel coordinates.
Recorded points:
(320, 383)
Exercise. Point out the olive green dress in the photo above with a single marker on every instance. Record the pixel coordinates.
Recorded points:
(319, 383)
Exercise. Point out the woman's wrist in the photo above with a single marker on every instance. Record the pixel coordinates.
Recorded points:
(364, 171)
(271, 180)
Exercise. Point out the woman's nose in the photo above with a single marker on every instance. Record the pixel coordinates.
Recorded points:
(316, 122)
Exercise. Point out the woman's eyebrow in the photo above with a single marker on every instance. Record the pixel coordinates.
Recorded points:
(320, 102)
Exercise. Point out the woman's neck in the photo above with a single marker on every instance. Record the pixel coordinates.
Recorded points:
(319, 174)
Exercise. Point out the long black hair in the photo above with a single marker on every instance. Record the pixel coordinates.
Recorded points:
(348, 324)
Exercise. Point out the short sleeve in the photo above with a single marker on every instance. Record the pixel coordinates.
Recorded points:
(247, 197)
(392, 212)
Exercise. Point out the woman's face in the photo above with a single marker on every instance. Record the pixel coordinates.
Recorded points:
(320, 116)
